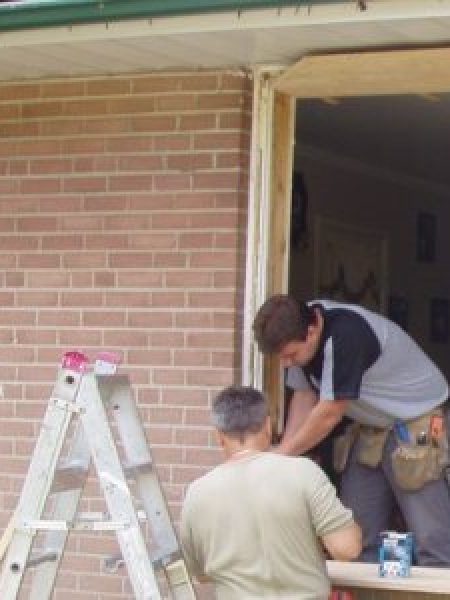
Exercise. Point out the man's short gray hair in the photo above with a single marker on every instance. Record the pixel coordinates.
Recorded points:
(239, 410)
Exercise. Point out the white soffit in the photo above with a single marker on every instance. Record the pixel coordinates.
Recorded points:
(222, 40)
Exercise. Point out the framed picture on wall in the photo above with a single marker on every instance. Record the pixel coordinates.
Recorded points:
(351, 264)
(426, 237)
(439, 320)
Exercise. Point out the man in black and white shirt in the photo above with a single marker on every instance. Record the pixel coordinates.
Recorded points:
(345, 361)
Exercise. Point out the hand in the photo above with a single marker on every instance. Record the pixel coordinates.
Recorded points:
(280, 449)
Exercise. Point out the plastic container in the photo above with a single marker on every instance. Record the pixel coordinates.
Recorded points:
(395, 554)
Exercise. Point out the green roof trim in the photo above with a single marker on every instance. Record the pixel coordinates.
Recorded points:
(49, 13)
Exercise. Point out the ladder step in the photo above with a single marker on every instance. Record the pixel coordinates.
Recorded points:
(38, 558)
(133, 470)
(79, 524)
(115, 562)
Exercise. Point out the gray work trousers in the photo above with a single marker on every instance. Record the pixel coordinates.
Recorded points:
(372, 493)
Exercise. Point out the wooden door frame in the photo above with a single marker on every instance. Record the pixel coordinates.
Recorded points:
(423, 71)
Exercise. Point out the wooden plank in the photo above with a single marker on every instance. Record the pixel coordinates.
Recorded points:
(281, 187)
(417, 71)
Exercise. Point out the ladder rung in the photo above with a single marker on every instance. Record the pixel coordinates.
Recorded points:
(41, 557)
(134, 469)
(87, 524)
(115, 562)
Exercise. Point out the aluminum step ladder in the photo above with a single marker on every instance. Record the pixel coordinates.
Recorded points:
(77, 424)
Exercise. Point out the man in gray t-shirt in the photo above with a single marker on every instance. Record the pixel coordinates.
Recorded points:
(256, 525)
(345, 361)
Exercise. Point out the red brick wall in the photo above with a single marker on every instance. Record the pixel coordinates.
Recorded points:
(122, 225)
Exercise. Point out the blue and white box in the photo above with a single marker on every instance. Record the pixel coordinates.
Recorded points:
(395, 554)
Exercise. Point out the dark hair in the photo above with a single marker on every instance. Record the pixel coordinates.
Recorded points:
(238, 410)
(280, 320)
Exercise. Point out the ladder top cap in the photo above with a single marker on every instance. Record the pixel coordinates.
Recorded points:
(75, 361)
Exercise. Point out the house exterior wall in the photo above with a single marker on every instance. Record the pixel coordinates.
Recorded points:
(122, 226)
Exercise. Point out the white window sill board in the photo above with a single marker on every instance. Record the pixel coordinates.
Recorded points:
(364, 575)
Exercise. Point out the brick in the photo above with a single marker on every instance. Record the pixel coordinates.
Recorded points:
(131, 260)
(19, 167)
(167, 299)
(71, 146)
(193, 320)
(192, 437)
(140, 279)
(17, 317)
(33, 110)
(103, 319)
(130, 182)
(95, 260)
(48, 279)
(172, 142)
(195, 240)
(14, 279)
(153, 240)
(168, 377)
(194, 279)
(86, 107)
(153, 123)
(189, 162)
(107, 87)
(149, 357)
(37, 298)
(166, 260)
(62, 89)
(62, 242)
(156, 83)
(104, 279)
(204, 456)
(128, 299)
(212, 377)
(47, 166)
(81, 299)
(111, 241)
(171, 182)
(126, 338)
(80, 338)
(149, 320)
(220, 140)
(59, 318)
(191, 358)
(39, 261)
(128, 143)
(140, 163)
(39, 185)
(84, 183)
(196, 122)
(36, 336)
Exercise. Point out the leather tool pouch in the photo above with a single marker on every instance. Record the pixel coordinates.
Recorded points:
(371, 445)
(342, 445)
(415, 464)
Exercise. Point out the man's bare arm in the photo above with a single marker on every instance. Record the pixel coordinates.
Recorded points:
(344, 543)
(302, 403)
(322, 418)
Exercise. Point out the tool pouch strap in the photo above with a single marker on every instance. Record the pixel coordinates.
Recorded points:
(342, 445)
(416, 464)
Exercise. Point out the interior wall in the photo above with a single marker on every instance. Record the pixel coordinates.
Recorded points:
(366, 198)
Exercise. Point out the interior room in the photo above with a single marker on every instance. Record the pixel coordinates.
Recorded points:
(371, 204)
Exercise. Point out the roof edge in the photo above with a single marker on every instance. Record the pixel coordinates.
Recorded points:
(38, 14)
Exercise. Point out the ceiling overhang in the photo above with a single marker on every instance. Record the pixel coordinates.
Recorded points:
(240, 38)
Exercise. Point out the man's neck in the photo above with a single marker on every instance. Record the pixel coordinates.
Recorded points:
(235, 450)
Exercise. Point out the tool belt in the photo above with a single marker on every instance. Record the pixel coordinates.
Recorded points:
(416, 460)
